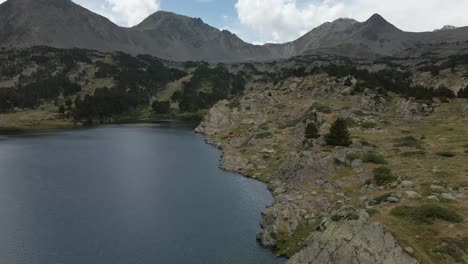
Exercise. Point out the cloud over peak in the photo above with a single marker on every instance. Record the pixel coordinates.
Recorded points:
(133, 11)
(123, 12)
(282, 20)
(286, 20)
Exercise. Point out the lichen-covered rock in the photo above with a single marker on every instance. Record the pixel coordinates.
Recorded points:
(370, 103)
(315, 168)
(411, 111)
(412, 195)
(406, 184)
(310, 168)
(352, 242)
(278, 219)
(220, 118)
(464, 112)
(232, 161)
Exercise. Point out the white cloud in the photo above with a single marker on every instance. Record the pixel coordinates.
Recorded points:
(285, 20)
(133, 11)
(123, 12)
(282, 20)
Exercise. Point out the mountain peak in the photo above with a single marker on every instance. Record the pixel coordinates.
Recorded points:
(376, 18)
(64, 24)
(342, 21)
(40, 2)
(166, 14)
(378, 25)
(166, 18)
(446, 27)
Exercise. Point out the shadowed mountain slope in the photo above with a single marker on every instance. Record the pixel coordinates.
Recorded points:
(64, 24)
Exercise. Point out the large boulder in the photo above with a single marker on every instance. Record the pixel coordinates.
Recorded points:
(315, 168)
(412, 111)
(308, 168)
(220, 118)
(368, 103)
(352, 242)
(278, 220)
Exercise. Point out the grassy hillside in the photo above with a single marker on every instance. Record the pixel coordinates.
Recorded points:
(405, 163)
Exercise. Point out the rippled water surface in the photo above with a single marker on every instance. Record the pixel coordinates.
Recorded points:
(125, 194)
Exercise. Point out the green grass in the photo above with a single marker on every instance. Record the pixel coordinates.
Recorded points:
(264, 135)
(410, 142)
(32, 120)
(353, 156)
(234, 103)
(322, 108)
(264, 126)
(370, 157)
(368, 125)
(426, 214)
(372, 211)
(290, 245)
(353, 215)
(360, 113)
(417, 153)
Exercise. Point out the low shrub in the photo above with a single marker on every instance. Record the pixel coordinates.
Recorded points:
(383, 176)
(353, 156)
(372, 211)
(454, 248)
(352, 215)
(373, 157)
(446, 154)
(368, 125)
(264, 135)
(290, 245)
(409, 141)
(413, 153)
(383, 198)
(264, 126)
(322, 108)
(366, 143)
(234, 103)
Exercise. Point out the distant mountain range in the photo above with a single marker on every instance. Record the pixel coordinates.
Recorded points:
(64, 24)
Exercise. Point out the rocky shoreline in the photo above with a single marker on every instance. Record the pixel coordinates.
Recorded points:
(352, 238)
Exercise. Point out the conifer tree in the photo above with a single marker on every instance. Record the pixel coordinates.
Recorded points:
(444, 92)
(311, 131)
(339, 134)
(161, 107)
(463, 93)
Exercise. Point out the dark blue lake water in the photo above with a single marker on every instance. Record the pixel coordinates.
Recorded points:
(125, 194)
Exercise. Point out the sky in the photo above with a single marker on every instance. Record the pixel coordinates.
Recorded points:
(261, 21)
